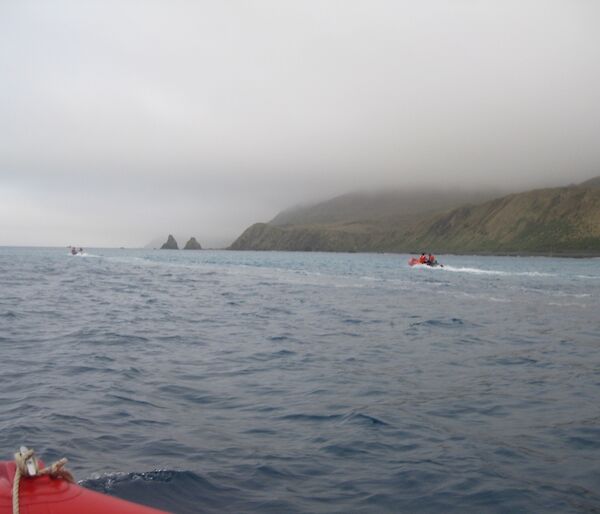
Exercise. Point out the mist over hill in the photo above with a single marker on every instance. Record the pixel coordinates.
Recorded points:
(383, 206)
(563, 220)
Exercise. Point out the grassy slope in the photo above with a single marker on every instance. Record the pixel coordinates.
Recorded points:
(547, 221)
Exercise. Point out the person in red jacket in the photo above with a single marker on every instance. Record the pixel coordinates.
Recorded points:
(422, 259)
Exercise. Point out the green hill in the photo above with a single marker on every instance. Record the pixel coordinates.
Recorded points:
(351, 222)
(546, 221)
(559, 220)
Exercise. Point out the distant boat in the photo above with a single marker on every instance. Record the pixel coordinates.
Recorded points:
(414, 261)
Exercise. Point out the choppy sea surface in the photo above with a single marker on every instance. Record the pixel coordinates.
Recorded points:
(219, 381)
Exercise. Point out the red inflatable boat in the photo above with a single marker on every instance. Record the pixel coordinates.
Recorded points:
(45, 495)
(413, 261)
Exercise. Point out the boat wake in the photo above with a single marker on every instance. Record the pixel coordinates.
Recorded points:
(84, 254)
(479, 271)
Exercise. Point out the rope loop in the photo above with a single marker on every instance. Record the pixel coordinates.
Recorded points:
(57, 470)
(27, 466)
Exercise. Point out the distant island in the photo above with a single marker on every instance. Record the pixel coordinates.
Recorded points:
(552, 221)
(192, 244)
(171, 244)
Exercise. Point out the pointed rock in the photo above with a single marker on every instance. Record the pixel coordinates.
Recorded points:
(171, 244)
(192, 244)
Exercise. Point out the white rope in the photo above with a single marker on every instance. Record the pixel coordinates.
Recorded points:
(27, 465)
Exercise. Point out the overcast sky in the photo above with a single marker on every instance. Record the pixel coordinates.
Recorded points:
(123, 120)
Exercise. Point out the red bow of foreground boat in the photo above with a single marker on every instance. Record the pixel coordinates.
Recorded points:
(46, 495)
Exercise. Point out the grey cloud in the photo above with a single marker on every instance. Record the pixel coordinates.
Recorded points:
(207, 116)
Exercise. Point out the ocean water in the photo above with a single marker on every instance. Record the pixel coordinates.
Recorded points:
(306, 382)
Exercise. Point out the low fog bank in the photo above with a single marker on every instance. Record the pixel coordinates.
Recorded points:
(135, 214)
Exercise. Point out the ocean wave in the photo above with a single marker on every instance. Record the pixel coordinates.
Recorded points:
(360, 417)
(443, 323)
(180, 492)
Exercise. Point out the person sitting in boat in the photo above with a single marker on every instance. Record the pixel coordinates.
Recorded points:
(431, 260)
(423, 259)
(73, 250)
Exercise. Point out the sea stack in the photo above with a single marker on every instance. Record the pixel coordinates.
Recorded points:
(171, 244)
(192, 244)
